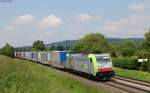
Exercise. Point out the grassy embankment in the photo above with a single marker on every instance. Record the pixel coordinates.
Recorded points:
(139, 75)
(21, 76)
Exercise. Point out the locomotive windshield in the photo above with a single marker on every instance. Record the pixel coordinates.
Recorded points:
(103, 59)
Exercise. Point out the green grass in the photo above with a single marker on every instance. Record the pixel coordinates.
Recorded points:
(139, 75)
(21, 76)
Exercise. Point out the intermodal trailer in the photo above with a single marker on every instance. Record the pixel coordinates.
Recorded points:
(44, 57)
(58, 58)
(28, 56)
(16, 54)
(63, 57)
(23, 55)
(20, 54)
(34, 56)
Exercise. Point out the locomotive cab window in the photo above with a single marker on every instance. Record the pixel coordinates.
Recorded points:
(103, 59)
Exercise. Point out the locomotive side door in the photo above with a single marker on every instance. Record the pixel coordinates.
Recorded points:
(91, 66)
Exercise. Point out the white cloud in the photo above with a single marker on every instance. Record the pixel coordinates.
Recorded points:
(25, 18)
(132, 26)
(86, 17)
(51, 21)
(137, 7)
(26, 28)
(21, 21)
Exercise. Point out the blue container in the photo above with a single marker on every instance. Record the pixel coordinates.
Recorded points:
(63, 57)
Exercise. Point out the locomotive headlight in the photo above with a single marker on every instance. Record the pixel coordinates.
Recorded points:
(110, 64)
(98, 64)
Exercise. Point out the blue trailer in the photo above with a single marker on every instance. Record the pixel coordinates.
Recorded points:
(63, 57)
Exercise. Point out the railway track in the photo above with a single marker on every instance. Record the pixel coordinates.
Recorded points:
(129, 85)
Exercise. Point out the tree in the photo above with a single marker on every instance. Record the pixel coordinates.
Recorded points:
(146, 55)
(8, 50)
(92, 43)
(38, 46)
(146, 52)
(67, 47)
(52, 48)
(146, 44)
(143, 54)
(1, 51)
(76, 48)
(60, 48)
(113, 50)
(127, 49)
(47, 49)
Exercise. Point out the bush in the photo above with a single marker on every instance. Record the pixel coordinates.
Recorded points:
(148, 66)
(127, 49)
(143, 66)
(126, 63)
(7, 50)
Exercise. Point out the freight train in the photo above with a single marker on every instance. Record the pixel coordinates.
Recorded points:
(98, 66)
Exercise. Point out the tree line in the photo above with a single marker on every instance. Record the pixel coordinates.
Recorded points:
(37, 45)
(92, 43)
(97, 43)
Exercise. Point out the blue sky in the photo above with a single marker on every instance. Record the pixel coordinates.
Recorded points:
(24, 21)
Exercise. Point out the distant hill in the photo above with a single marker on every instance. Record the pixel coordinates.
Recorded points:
(63, 43)
(70, 43)
(120, 40)
(110, 40)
